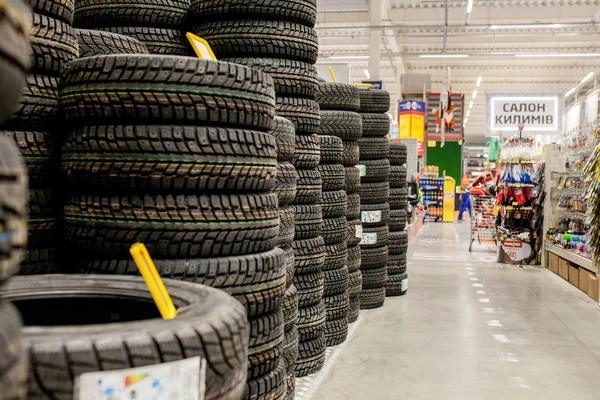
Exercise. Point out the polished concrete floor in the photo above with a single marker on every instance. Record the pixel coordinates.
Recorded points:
(471, 329)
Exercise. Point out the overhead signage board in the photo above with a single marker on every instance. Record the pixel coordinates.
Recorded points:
(535, 113)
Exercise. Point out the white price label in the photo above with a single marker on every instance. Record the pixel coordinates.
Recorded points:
(404, 285)
(178, 380)
(358, 231)
(362, 169)
(369, 238)
(371, 216)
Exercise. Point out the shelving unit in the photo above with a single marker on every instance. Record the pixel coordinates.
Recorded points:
(433, 196)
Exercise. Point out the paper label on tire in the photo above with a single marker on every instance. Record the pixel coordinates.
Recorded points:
(404, 285)
(359, 231)
(362, 169)
(369, 238)
(178, 380)
(371, 216)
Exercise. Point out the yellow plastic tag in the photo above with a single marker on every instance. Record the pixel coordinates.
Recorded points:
(201, 47)
(363, 85)
(460, 142)
(431, 143)
(332, 75)
(146, 266)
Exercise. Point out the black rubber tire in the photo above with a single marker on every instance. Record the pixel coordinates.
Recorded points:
(398, 153)
(38, 108)
(58, 353)
(352, 182)
(95, 13)
(334, 230)
(376, 257)
(398, 199)
(265, 348)
(398, 242)
(40, 261)
(287, 226)
(375, 170)
(336, 256)
(332, 149)
(44, 232)
(166, 89)
(290, 380)
(160, 41)
(95, 43)
(258, 281)
(290, 308)
(336, 306)
(292, 78)
(354, 309)
(395, 285)
(310, 288)
(267, 387)
(397, 220)
(336, 331)
(374, 278)
(311, 322)
(286, 183)
(42, 203)
(353, 210)
(311, 356)
(308, 152)
(13, 208)
(354, 283)
(39, 152)
(300, 11)
(375, 125)
(374, 236)
(15, 54)
(333, 176)
(119, 158)
(372, 298)
(396, 264)
(346, 125)
(374, 214)
(308, 221)
(336, 282)
(334, 203)
(373, 193)
(260, 38)
(13, 354)
(397, 176)
(309, 255)
(290, 349)
(304, 114)
(373, 148)
(309, 187)
(351, 155)
(290, 266)
(353, 229)
(53, 44)
(285, 137)
(338, 96)
(374, 101)
(354, 258)
(172, 226)
(63, 10)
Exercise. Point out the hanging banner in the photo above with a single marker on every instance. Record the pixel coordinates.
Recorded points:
(453, 117)
(539, 113)
(411, 120)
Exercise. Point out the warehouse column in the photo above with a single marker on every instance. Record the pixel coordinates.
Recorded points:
(375, 39)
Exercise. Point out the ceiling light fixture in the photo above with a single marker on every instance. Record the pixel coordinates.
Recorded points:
(469, 6)
(474, 93)
(558, 55)
(443, 56)
(587, 77)
(466, 120)
(479, 81)
(471, 104)
(468, 113)
(570, 92)
(347, 57)
(367, 74)
(527, 26)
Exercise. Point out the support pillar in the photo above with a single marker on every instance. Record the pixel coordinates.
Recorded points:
(375, 11)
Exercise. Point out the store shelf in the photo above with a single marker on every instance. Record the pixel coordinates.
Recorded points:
(575, 258)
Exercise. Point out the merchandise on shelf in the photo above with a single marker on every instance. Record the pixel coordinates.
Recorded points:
(433, 197)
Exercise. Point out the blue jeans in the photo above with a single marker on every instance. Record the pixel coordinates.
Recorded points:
(465, 204)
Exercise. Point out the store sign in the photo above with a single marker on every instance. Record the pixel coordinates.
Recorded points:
(534, 113)
(411, 120)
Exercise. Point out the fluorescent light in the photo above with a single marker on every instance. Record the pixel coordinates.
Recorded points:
(570, 92)
(469, 6)
(587, 77)
(466, 120)
(527, 26)
(443, 56)
(558, 55)
(469, 113)
(471, 104)
(474, 93)
(479, 81)
(367, 74)
(478, 155)
(347, 57)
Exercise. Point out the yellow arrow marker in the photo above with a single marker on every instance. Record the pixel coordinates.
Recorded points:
(146, 266)
(201, 47)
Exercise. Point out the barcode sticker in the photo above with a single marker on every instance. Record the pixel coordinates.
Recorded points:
(371, 217)
(404, 285)
(362, 169)
(358, 231)
(369, 238)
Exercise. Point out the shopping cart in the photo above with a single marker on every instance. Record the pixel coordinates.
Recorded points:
(483, 221)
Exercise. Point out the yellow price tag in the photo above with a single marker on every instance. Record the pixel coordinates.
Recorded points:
(431, 143)
(146, 266)
(460, 142)
(201, 47)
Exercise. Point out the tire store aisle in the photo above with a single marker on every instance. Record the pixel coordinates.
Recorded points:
(374, 191)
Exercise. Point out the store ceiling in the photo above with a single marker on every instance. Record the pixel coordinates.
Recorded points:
(514, 44)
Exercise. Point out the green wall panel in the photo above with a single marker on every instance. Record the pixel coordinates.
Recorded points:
(448, 158)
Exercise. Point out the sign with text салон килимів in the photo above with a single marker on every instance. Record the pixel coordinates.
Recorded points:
(537, 113)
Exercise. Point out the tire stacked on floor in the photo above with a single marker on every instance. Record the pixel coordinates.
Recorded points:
(181, 157)
(374, 192)
(334, 204)
(36, 122)
(397, 281)
(159, 24)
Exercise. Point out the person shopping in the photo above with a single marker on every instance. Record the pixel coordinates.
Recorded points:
(465, 198)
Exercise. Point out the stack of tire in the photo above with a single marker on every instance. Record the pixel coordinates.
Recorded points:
(397, 281)
(183, 159)
(159, 24)
(374, 192)
(335, 269)
(36, 126)
(339, 103)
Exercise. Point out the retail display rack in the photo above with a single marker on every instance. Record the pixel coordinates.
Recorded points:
(432, 186)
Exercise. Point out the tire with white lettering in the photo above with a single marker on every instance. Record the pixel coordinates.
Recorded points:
(13, 355)
(374, 101)
(332, 149)
(373, 148)
(397, 220)
(126, 330)
(311, 355)
(95, 43)
(352, 182)
(347, 125)
(308, 152)
(374, 192)
(397, 153)
(375, 125)
(338, 96)
(374, 214)
(372, 298)
(309, 255)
